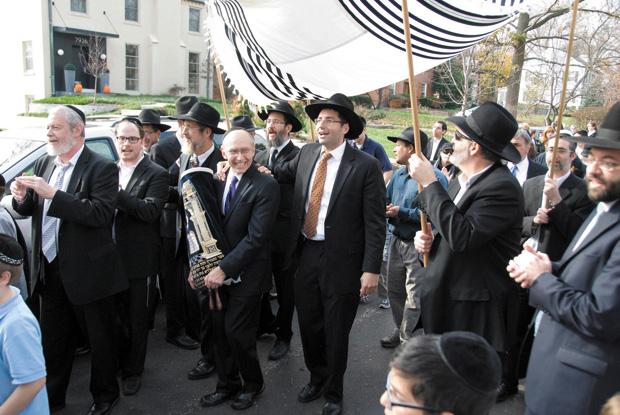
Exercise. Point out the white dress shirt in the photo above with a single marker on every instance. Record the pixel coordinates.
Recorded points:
(522, 167)
(330, 178)
(125, 172)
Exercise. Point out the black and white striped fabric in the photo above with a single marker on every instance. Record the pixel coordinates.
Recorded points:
(299, 49)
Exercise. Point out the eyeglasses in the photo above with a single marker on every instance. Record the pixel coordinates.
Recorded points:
(269, 121)
(327, 121)
(392, 402)
(459, 136)
(132, 140)
(242, 152)
(560, 150)
(606, 165)
(447, 151)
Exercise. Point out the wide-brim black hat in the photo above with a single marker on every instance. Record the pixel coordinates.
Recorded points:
(284, 108)
(608, 135)
(152, 117)
(491, 126)
(344, 106)
(183, 105)
(204, 114)
(243, 121)
(407, 135)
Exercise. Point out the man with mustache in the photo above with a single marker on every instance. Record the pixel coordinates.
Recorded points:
(574, 364)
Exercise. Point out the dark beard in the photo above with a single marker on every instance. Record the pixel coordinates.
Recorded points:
(280, 139)
(611, 192)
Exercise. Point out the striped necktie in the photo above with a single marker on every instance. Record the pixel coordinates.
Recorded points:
(50, 223)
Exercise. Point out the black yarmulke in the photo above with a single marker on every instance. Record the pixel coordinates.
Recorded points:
(472, 360)
(10, 251)
(78, 112)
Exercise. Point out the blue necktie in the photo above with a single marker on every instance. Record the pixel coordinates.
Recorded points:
(231, 194)
(514, 170)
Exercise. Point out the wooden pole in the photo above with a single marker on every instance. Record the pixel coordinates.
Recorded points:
(569, 52)
(220, 83)
(413, 97)
(312, 127)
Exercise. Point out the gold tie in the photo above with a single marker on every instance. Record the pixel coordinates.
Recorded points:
(312, 215)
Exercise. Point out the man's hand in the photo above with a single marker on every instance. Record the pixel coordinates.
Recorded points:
(369, 283)
(18, 190)
(552, 192)
(263, 169)
(423, 241)
(38, 184)
(542, 216)
(528, 266)
(190, 280)
(391, 211)
(222, 168)
(215, 278)
(421, 170)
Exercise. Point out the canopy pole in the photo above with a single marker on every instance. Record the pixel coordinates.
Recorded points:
(413, 97)
(558, 127)
(220, 83)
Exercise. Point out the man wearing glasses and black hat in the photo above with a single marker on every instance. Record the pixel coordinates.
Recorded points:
(574, 366)
(151, 123)
(477, 226)
(339, 217)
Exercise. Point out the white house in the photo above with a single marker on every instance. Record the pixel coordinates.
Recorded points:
(149, 46)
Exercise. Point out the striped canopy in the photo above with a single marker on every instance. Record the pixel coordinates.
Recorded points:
(309, 49)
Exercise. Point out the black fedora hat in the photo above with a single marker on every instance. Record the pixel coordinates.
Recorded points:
(608, 135)
(284, 108)
(407, 135)
(243, 121)
(183, 105)
(344, 106)
(491, 126)
(204, 114)
(152, 117)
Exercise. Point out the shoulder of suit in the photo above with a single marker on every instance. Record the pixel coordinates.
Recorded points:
(151, 165)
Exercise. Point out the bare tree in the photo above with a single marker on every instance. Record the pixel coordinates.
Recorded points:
(94, 60)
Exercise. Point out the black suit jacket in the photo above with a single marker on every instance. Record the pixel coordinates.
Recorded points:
(429, 148)
(89, 264)
(284, 236)
(564, 219)
(355, 222)
(575, 362)
(534, 169)
(248, 227)
(466, 285)
(166, 151)
(136, 224)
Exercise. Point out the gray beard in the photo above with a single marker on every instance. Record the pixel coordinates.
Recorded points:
(60, 150)
(280, 139)
(187, 147)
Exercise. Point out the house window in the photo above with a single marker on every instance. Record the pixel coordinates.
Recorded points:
(131, 10)
(78, 6)
(194, 20)
(131, 67)
(27, 51)
(193, 73)
(423, 89)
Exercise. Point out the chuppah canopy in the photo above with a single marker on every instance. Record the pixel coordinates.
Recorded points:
(301, 49)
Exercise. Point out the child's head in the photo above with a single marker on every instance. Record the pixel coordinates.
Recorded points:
(11, 260)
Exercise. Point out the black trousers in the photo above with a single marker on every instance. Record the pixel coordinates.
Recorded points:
(60, 325)
(283, 269)
(325, 321)
(234, 329)
(132, 306)
(174, 289)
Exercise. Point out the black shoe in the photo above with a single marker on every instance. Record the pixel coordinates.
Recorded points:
(310, 392)
(202, 370)
(183, 341)
(391, 341)
(332, 408)
(131, 385)
(57, 407)
(82, 350)
(264, 331)
(279, 350)
(504, 392)
(216, 398)
(246, 399)
(101, 408)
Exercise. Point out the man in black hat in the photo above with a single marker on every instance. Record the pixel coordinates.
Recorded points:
(477, 224)
(199, 150)
(371, 147)
(339, 217)
(151, 123)
(403, 265)
(280, 121)
(455, 373)
(165, 153)
(574, 364)
(75, 266)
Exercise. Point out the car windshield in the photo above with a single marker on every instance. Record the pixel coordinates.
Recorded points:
(14, 149)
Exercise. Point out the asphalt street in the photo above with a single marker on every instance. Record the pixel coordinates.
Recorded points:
(166, 389)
